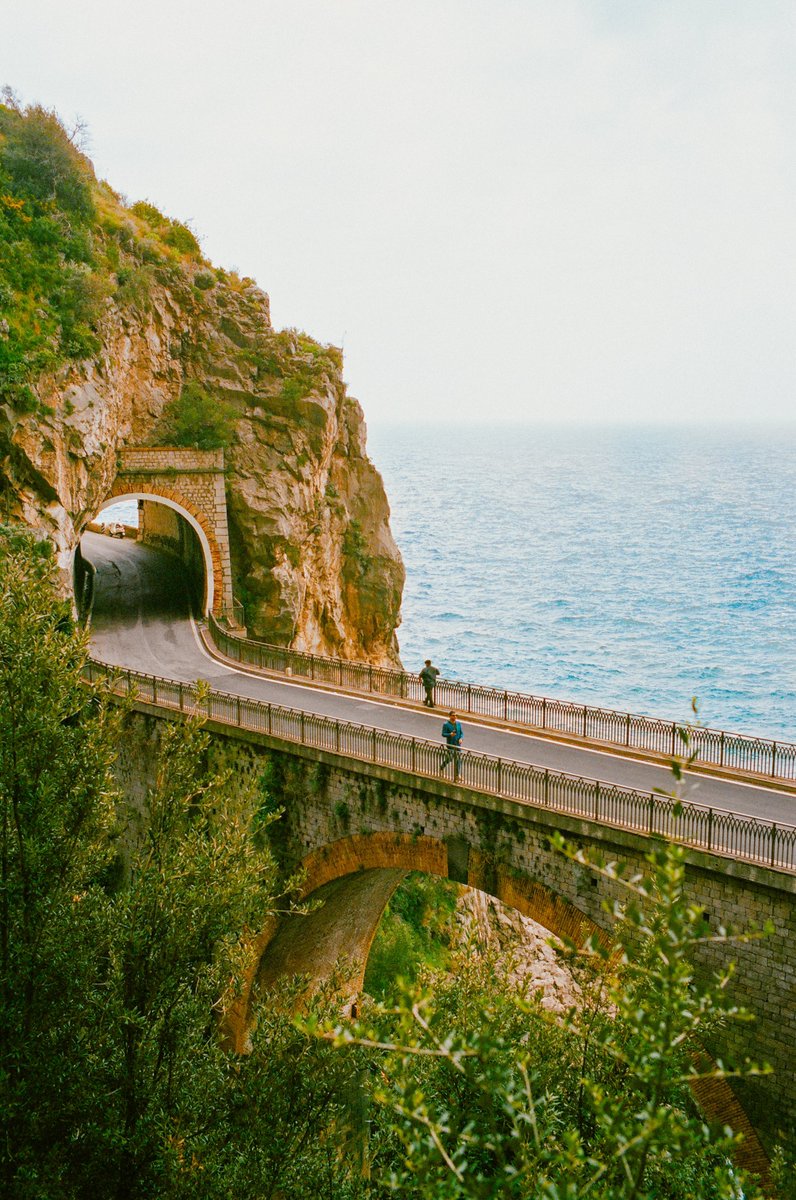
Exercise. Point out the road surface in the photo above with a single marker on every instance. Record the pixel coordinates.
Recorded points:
(141, 621)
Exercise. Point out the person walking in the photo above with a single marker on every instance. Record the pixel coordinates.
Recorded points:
(453, 733)
(428, 678)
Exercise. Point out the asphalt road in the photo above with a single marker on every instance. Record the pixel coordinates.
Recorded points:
(141, 621)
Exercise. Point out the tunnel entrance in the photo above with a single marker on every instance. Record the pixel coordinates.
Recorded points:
(142, 557)
(161, 524)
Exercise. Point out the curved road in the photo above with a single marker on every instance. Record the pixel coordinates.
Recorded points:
(141, 621)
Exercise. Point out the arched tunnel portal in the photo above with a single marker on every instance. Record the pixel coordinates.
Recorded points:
(169, 525)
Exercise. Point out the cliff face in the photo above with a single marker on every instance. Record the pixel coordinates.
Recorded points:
(166, 340)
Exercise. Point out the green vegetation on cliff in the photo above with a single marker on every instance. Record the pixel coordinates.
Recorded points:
(70, 246)
(115, 330)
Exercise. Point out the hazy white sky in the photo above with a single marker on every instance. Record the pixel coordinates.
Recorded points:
(579, 210)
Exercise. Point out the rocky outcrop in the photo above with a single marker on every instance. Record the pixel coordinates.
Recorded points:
(313, 557)
(522, 948)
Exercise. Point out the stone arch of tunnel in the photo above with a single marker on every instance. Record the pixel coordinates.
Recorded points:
(213, 582)
(355, 877)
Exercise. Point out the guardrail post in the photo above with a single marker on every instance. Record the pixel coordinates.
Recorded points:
(773, 758)
(374, 745)
(414, 754)
(544, 712)
(546, 790)
(468, 698)
(301, 727)
(370, 677)
(499, 788)
(627, 730)
(674, 739)
(154, 690)
(337, 736)
(721, 749)
(270, 722)
(505, 706)
(773, 845)
(710, 829)
(237, 712)
(596, 801)
(182, 701)
(340, 672)
(651, 821)
(312, 666)
(583, 732)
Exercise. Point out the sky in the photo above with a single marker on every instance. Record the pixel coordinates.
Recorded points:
(576, 211)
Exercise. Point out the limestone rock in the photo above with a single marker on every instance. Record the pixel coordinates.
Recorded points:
(312, 553)
(521, 946)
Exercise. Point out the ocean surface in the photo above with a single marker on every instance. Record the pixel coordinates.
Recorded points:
(630, 568)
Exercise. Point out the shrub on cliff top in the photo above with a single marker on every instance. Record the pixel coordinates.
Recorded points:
(197, 419)
(42, 164)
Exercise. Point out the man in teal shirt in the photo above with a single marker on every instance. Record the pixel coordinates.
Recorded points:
(453, 733)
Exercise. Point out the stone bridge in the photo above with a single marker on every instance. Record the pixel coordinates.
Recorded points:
(358, 827)
(190, 484)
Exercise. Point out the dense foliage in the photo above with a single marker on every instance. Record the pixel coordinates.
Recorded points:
(74, 255)
(123, 934)
(120, 933)
(482, 1093)
(415, 935)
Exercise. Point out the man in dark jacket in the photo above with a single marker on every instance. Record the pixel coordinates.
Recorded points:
(428, 677)
(453, 733)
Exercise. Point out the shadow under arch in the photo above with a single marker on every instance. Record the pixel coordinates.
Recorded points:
(355, 877)
(212, 600)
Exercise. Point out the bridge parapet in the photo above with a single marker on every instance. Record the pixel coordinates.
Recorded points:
(715, 750)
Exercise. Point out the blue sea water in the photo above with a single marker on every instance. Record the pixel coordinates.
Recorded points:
(631, 568)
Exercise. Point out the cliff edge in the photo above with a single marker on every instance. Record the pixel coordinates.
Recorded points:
(115, 331)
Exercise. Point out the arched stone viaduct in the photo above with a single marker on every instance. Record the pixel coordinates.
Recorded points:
(358, 827)
(190, 483)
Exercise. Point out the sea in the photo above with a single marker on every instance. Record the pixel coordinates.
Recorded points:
(632, 568)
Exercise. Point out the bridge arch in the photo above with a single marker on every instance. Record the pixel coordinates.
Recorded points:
(211, 553)
(504, 848)
(356, 876)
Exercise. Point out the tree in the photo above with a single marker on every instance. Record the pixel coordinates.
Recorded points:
(56, 813)
(122, 936)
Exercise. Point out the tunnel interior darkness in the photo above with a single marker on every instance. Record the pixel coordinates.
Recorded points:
(162, 526)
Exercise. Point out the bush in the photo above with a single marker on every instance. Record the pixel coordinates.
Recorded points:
(42, 163)
(135, 287)
(197, 419)
(180, 238)
(147, 212)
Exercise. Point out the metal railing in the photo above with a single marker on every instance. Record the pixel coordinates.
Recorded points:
(604, 726)
(648, 813)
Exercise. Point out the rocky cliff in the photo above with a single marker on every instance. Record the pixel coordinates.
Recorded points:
(115, 331)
